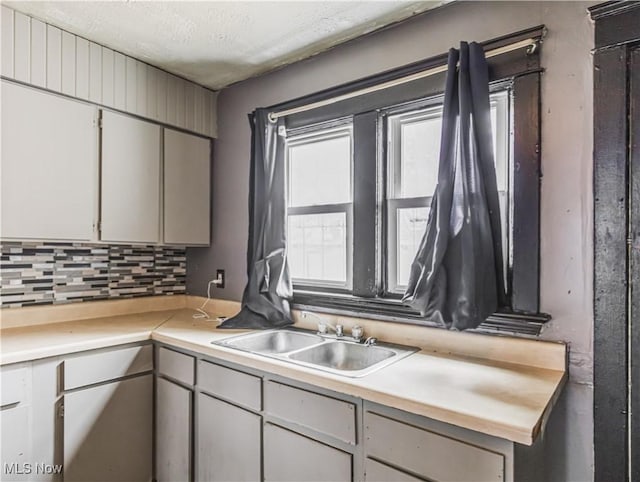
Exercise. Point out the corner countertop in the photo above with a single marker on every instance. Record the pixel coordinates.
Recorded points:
(34, 342)
(499, 398)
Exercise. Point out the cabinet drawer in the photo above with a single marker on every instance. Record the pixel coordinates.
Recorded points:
(14, 386)
(104, 366)
(375, 471)
(324, 414)
(432, 456)
(232, 385)
(176, 365)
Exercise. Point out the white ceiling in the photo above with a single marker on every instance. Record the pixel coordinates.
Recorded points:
(217, 43)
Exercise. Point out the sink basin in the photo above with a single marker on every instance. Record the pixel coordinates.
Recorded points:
(273, 342)
(343, 356)
(338, 356)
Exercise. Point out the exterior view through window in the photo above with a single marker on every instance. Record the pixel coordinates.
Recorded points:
(412, 166)
(320, 186)
(321, 181)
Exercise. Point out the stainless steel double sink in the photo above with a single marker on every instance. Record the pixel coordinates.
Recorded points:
(340, 356)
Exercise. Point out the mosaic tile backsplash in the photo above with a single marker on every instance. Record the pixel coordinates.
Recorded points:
(55, 273)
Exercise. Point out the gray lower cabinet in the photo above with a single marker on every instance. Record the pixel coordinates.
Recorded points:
(108, 431)
(430, 454)
(15, 442)
(401, 446)
(15, 417)
(173, 431)
(290, 456)
(229, 441)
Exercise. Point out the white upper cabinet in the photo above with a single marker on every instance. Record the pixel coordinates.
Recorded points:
(130, 180)
(49, 166)
(187, 171)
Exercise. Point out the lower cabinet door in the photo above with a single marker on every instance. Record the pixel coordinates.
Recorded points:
(16, 456)
(229, 442)
(173, 432)
(289, 456)
(108, 432)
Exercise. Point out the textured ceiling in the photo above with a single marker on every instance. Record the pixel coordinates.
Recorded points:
(218, 43)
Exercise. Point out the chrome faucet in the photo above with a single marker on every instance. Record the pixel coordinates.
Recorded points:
(324, 327)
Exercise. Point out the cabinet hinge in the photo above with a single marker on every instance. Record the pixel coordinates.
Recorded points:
(61, 411)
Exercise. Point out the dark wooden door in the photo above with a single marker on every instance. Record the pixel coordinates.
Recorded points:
(617, 241)
(634, 254)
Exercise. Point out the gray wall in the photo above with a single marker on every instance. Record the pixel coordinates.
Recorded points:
(567, 214)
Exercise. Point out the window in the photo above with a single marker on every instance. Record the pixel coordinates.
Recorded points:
(320, 186)
(361, 173)
(413, 150)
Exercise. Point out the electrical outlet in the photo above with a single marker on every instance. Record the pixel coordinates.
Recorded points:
(220, 277)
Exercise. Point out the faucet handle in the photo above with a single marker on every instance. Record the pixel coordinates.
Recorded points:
(322, 328)
(357, 332)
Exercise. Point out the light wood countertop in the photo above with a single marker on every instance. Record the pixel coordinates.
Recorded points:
(45, 340)
(493, 396)
(506, 400)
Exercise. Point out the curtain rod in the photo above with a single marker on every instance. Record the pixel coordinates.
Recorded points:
(273, 116)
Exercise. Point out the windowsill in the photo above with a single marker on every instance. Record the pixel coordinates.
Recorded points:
(503, 322)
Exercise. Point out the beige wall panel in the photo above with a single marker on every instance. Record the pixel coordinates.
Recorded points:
(82, 68)
(38, 58)
(108, 77)
(6, 37)
(54, 58)
(95, 73)
(22, 47)
(68, 63)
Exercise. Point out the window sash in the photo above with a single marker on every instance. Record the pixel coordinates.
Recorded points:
(308, 136)
(315, 134)
(319, 284)
(393, 206)
(426, 109)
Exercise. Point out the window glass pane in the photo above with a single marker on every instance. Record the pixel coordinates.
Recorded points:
(411, 225)
(320, 170)
(419, 154)
(413, 158)
(317, 247)
(500, 130)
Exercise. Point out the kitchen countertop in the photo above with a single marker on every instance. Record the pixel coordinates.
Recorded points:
(45, 340)
(506, 400)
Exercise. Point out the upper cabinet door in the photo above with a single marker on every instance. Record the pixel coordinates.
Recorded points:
(130, 180)
(187, 177)
(49, 166)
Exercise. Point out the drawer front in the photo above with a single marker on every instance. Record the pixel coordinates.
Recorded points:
(176, 365)
(14, 386)
(375, 471)
(237, 387)
(318, 412)
(104, 366)
(430, 455)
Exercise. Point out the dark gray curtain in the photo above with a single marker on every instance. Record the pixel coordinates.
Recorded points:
(456, 277)
(264, 301)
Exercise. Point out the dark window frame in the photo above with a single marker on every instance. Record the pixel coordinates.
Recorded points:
(522, 73)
